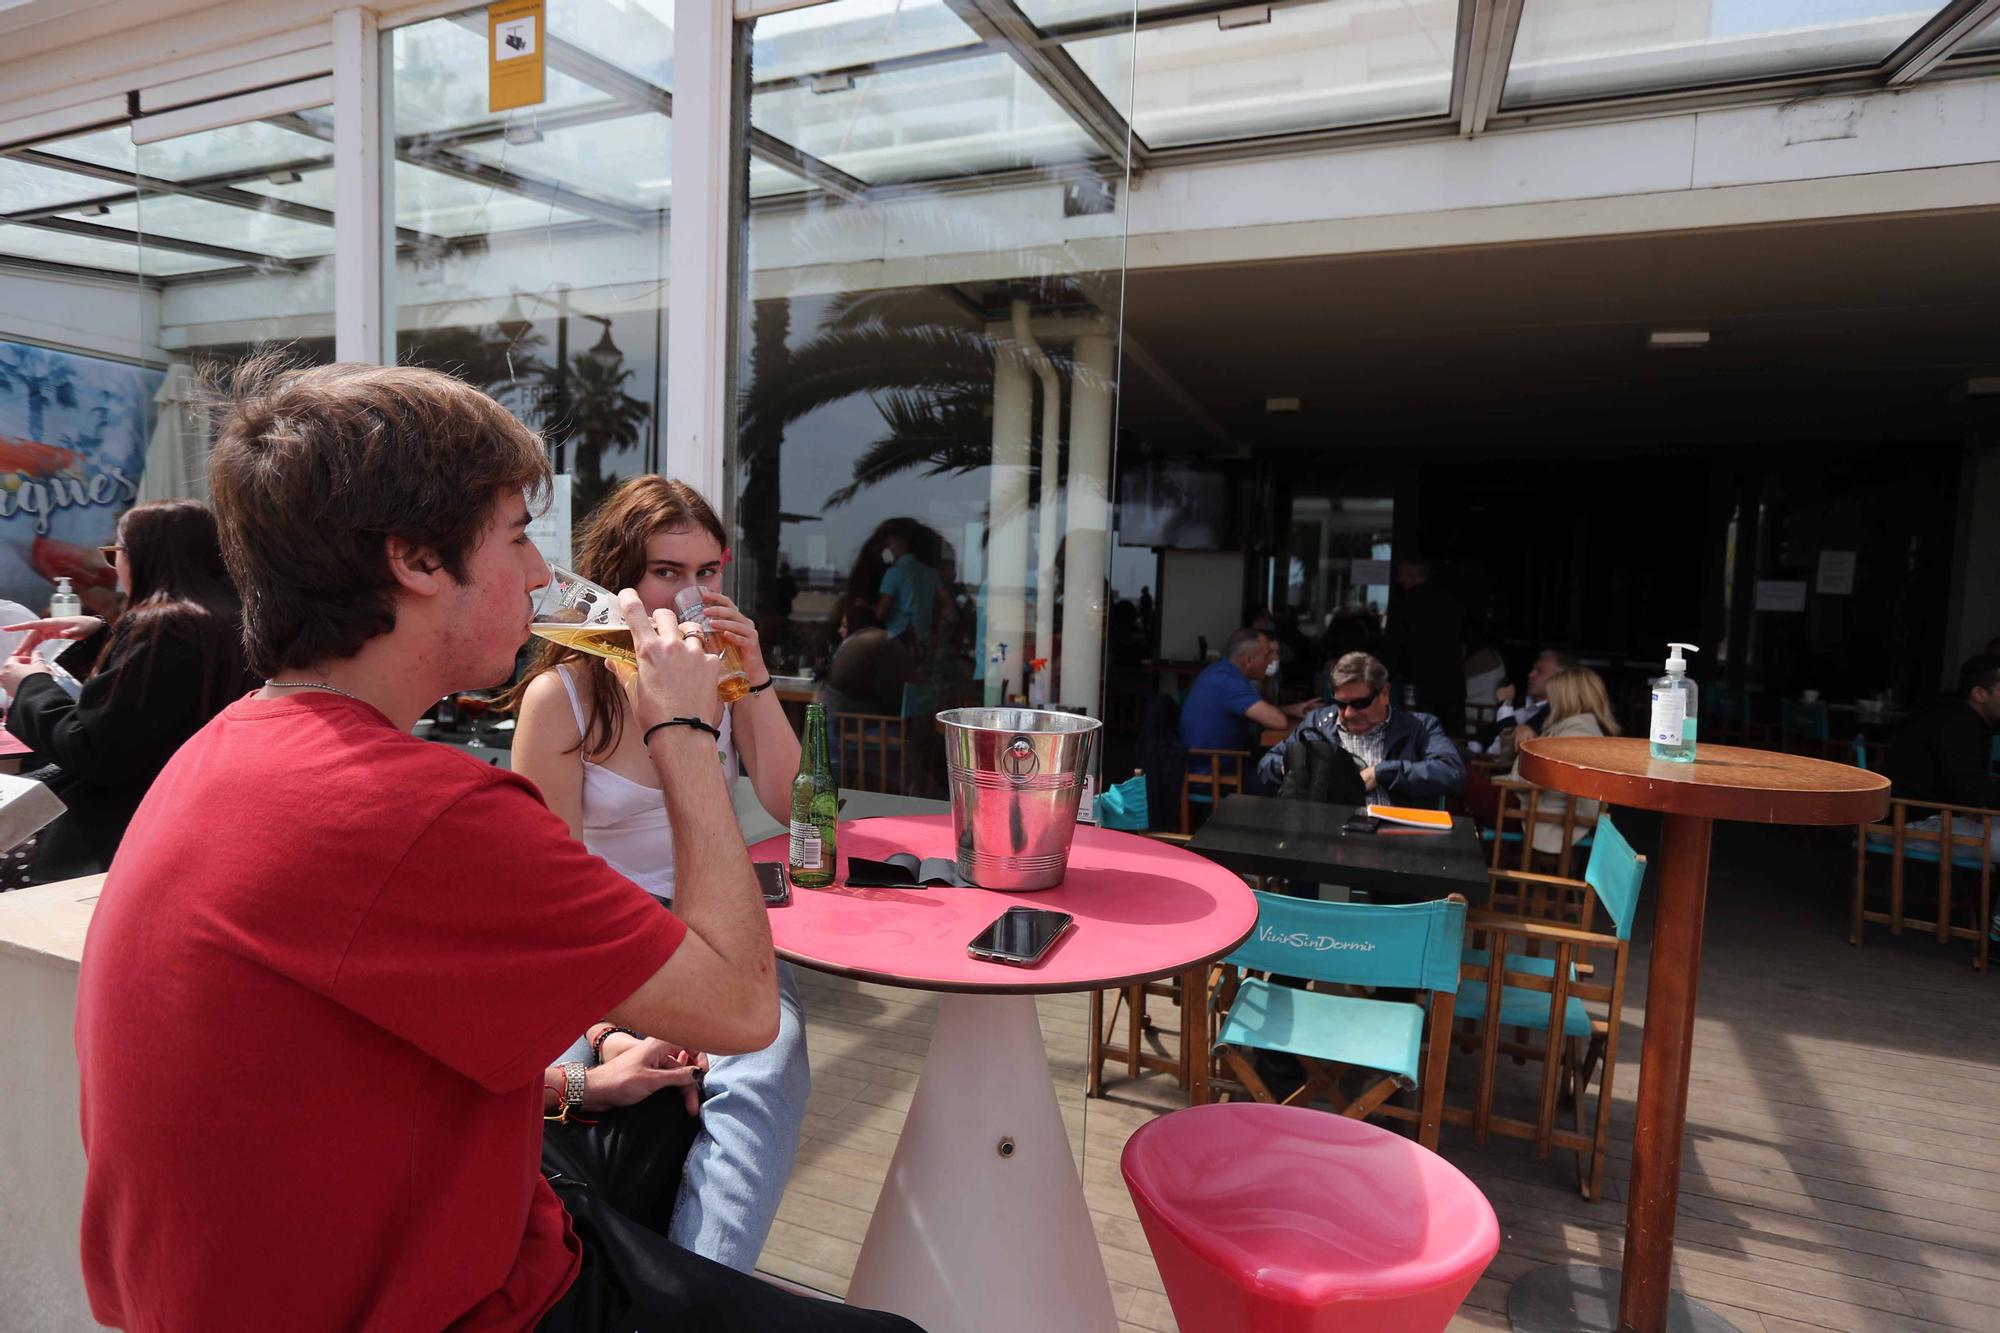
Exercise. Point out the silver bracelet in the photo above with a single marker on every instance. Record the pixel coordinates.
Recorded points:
(574, 1077)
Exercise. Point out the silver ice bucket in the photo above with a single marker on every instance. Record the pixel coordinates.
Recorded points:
(1016, 778)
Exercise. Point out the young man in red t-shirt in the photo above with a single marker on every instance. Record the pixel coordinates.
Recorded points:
(332, 962)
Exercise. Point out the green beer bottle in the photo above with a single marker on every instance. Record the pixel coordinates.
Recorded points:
(815, 807)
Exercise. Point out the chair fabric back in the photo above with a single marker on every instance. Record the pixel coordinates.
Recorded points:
(1615, 872)
(1409, 945)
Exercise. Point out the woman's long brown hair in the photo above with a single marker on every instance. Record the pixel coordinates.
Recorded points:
(611, 552)
(178, 587)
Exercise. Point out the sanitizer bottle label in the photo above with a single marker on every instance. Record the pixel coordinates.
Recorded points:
(1669, 715)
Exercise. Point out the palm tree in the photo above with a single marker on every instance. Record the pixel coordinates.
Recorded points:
(42, 376)
(600, 416)
(760, 452)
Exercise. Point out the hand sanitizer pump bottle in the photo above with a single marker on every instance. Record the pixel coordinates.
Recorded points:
(65, 602)
(1674, 712)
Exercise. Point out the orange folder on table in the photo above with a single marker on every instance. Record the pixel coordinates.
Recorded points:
(1436, 820)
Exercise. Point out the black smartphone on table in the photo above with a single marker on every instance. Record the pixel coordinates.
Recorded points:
(771, 879)
(1361, 824)
(1020, 935)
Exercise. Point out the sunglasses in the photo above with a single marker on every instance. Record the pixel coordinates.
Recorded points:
(1361, 705)
(110, 553)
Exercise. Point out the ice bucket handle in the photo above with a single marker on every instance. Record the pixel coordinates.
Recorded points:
(1018, 760)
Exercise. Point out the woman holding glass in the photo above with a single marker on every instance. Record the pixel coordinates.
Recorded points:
(574, 740)
(173, 660)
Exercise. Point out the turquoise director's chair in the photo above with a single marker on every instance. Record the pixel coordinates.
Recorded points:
(1411, 946)
(1534, 990)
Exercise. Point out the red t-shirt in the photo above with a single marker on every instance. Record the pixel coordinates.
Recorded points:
(323, 980)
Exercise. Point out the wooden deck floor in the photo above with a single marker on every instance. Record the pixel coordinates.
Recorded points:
(1843, 1163)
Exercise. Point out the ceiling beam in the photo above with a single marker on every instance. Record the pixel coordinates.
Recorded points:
(1936, 40)
(1002, 26)
(1480, 77)
(449, 163)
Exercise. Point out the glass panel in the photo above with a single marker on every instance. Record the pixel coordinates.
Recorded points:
(55, 247)
(922, 497)
(825, 37)
(248, 147)
(1311, 67)
(557, 309)
(198, 329)
(23, 185)
(965, 117)
(1048, 14)
(181, 218)
(1573, 49)
(1987, 39)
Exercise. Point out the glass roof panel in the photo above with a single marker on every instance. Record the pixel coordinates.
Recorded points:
(807, 41)
(440, 77)
(1986, 40)
(961, 118)
(24, 185)
(214, 152)
(1313, 66)
(626, 161)
(432, 202)
(186, 219)
(56, 247)
(635, 35)
(1047, 14)
(1571, 50)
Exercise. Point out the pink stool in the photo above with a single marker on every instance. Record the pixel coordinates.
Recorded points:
(1278, 1219)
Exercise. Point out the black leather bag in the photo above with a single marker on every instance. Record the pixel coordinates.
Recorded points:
(1317, 769)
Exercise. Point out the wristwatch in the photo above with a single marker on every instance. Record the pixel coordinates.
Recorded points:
(575, 1077)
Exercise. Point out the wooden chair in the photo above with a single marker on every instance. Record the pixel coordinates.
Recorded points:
(1962, 841)
(872, 750)
(1521, 805)
(1478, 717)
(1187, 1064)
(1401, 1044)
(1228, 770)
(1544, 973)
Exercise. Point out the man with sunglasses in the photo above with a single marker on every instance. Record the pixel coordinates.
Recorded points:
(1404, 757)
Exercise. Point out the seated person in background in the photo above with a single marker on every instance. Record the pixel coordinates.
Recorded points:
(868, 670)
(174, 660)
(1578, 706)
(1946, 755)
(1224, 710)
(1529, 711)
(1405, 757)
(332, 962)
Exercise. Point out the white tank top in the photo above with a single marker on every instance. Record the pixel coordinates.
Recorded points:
(625, 822)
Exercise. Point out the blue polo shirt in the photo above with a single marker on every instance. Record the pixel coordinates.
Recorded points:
(1213, 716)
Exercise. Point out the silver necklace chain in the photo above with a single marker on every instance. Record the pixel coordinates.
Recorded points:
(311, 685)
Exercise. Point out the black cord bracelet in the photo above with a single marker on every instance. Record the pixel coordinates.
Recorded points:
(759, 689)
(694, 722)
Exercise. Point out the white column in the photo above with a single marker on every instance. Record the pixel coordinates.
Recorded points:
(1092, 391)
(699, 309)
(1048, 504)
(360, 329)
(1007, 515)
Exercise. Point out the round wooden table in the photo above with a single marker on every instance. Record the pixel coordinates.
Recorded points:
(1724, 782)
(981, 1226)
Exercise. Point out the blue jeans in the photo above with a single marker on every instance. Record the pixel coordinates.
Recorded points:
(736, 1171)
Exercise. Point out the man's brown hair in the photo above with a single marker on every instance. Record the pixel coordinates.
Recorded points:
(315, 469)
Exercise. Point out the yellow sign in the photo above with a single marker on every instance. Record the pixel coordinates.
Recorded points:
(514, 37)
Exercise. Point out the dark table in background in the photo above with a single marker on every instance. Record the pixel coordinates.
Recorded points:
(1301, 840)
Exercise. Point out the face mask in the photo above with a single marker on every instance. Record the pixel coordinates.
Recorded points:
(888, 556)
(1271, 667)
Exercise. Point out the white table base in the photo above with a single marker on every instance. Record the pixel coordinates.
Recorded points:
(966, 1239)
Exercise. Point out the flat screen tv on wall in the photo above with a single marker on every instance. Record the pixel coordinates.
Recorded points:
(1184, 506)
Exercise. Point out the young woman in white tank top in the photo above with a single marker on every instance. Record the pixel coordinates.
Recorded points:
(572, 740)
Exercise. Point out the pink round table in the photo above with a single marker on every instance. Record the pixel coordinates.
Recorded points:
(982, 1224)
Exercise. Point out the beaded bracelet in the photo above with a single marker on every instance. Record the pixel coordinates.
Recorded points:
(597, 1042)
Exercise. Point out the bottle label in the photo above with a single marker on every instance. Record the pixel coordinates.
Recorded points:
(1669, 715)
(806, 847)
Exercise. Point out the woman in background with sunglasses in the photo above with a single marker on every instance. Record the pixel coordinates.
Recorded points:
(169, 664)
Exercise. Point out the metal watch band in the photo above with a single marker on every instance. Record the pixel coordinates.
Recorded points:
(573, 1083)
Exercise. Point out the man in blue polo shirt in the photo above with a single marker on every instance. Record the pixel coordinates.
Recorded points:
(1224, 711)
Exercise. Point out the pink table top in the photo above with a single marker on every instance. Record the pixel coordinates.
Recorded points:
(1143, 909)
(11, 747)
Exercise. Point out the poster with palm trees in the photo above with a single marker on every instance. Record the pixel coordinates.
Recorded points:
(73, 435)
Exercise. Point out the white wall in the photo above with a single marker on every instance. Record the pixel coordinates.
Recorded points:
(100, 315)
